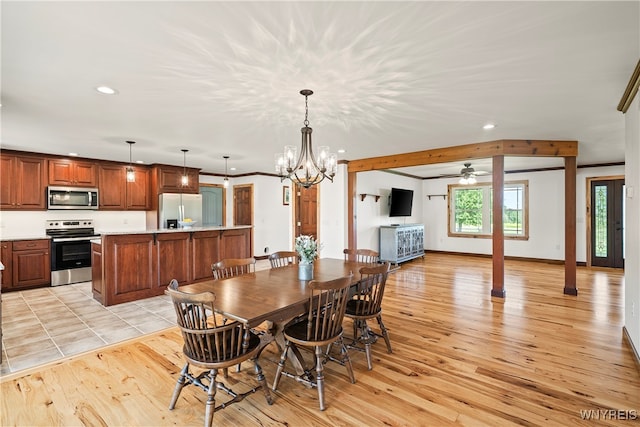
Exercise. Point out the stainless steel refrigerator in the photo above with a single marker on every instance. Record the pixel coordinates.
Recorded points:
(178, 206)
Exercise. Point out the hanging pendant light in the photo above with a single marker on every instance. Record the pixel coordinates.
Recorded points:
(185, 177)
(226, 178)
(306, 169)
(131, 173)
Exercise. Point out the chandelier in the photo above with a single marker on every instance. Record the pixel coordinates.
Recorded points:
(305, 168)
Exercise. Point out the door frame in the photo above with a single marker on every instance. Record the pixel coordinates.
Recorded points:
(588, 214)
(224, 200)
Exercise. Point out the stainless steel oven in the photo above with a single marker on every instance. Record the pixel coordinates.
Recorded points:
(70, 250)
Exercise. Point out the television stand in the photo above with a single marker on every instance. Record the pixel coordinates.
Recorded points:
(399, 243)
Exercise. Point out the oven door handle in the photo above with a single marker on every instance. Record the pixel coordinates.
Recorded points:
(73, 239)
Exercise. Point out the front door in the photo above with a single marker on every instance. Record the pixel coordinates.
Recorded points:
(307, 210)
(607, 223)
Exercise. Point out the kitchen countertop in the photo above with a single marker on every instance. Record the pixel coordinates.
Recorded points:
(172, 230)
(33, 237)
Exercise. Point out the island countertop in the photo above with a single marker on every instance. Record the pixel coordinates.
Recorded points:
(172, 230)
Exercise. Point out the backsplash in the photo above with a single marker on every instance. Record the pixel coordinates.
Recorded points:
(31, 224)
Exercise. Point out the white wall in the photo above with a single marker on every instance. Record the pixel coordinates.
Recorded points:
(26, 224)
(271, 219)
(333, 220)
(370, 215)
(632, 230)
(546, 216)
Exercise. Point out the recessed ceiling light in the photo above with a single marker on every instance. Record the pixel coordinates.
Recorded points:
(232, 169)
(73, 154)
(488, 126)
(342, 151)
(141, 162)
(106, 90)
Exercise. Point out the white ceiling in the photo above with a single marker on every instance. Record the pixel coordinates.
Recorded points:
(223, 78)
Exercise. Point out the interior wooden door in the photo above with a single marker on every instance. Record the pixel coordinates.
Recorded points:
(242, 205)
(607, 223)
(306, 210)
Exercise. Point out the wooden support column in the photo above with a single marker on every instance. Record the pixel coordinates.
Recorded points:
(352, 222)
(570, 170)
(498, 227)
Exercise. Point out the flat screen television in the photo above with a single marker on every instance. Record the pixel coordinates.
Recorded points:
(401, 202)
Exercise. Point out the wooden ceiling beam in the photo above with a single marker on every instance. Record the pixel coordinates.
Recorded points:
(481, 150)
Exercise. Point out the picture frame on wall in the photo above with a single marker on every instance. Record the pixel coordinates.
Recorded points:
(286, 195)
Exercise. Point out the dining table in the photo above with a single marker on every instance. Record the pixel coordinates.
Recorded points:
(275, 295)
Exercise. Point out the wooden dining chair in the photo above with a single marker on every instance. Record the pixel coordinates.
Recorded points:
(321, 327)
(283, 258)
(367, 304)
(368, 256)
(232, 267)
(210, 346)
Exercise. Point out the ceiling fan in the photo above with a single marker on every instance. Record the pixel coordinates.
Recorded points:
(467, 174)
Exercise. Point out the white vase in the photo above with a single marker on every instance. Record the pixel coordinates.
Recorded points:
(305, 271)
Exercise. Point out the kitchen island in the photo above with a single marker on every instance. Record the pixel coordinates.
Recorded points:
(128, 266)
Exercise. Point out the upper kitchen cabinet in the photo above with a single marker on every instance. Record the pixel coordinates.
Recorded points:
(169, 179)
(22, 182)
(73, 172)
(118, 194)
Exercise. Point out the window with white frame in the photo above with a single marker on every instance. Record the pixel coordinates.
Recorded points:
(470, 210)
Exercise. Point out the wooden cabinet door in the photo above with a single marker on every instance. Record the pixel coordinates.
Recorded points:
(8, 180)
(85, 174)
(205, 250)
(138, 192)
(30, 185)
(6, 256)
(173, 258)
(236, 243)
(170, 180)
(112, 187)
(60, 172)
(23, 182)
(72, 172)
(31, 267)
(128, 268)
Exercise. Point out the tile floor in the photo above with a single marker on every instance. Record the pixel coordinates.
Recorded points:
(46, 324)
(42, 325)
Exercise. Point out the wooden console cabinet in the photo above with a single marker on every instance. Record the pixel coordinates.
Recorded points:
(128, 267)
(400, 243)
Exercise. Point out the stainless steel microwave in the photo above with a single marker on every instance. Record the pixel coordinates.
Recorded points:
(72, 198)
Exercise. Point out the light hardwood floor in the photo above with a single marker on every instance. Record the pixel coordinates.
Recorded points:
(460, 357)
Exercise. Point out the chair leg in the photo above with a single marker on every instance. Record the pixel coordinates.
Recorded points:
(283, 359)
(262, 381)
(179, 385)
(366, 338)
(385, 334)
(355, 331)
(320, 375)
(347, 360)
(211, 399)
